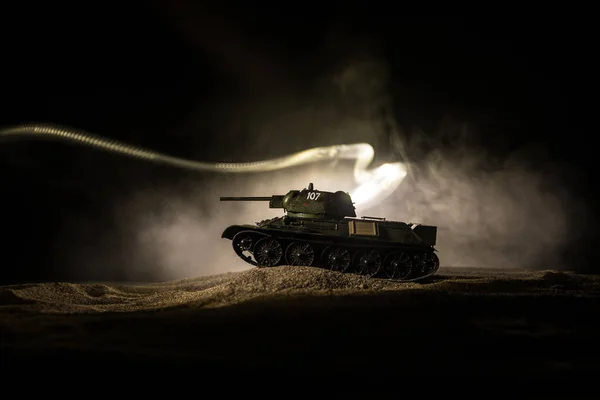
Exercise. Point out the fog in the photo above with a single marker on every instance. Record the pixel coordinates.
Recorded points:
(512, 215)
(180, 236)
(512, 210)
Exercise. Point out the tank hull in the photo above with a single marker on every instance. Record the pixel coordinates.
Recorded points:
(373, 247)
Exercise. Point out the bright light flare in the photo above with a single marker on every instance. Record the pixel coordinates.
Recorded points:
(378, 184)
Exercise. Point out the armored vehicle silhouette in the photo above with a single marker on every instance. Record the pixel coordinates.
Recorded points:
(320, 229)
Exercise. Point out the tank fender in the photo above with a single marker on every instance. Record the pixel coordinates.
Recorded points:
(231, 231)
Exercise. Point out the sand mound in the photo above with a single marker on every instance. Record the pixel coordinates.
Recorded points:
(214, 291)
(233, 288)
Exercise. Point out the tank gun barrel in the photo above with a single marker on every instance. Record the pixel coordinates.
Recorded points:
(275, 201)
(246, 198)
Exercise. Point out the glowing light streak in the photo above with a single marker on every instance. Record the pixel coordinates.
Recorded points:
(373, 185)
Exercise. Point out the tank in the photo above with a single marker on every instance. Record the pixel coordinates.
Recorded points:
(320, 229)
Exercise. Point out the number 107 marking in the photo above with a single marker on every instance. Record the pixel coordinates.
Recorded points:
(313, 196)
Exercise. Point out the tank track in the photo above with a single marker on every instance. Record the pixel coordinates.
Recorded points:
(398, 263)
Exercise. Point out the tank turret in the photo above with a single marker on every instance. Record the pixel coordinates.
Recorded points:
(308, 203)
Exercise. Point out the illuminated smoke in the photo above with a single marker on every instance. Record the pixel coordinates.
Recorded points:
(507, 212)
(510, 212)
(512, 215)
(515, 211)
(178, 235)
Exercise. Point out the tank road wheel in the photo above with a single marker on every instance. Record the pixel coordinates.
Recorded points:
(336, 258)
(298, 253)
(397, 265)
(427, 263)
(242, 243)
(268, 252)
(369, 262)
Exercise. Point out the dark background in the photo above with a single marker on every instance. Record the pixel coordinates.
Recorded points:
(152, 75)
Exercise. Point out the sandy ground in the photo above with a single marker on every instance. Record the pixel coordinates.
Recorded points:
(299, 320)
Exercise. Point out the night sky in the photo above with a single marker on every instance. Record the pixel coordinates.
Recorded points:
(176, 78)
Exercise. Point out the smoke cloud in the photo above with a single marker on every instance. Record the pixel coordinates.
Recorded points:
(176, 233)
(516, 211)
(509, 211)
(513, 211)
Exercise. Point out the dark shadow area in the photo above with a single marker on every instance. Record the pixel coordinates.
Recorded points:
(432, 334)
(540, 326)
